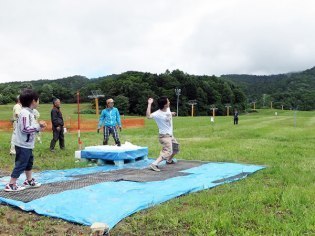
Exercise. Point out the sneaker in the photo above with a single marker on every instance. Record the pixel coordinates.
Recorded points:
(13, 188)
(31, 183)
(52, 150)
(170, 162)
(154, 167)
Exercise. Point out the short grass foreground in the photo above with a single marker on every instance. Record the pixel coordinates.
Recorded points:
(278, 200)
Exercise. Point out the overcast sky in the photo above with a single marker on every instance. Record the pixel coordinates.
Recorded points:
(41, 39)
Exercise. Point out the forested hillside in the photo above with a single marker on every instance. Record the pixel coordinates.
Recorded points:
(292, 90)
(132, 89)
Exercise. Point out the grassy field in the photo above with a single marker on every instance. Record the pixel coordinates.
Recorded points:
(278, 200)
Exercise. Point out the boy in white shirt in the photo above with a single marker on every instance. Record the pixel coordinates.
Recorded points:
(163, 119)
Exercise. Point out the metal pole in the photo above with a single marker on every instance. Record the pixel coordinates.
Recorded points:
(177, 91)
(177, 106)
(79, 138)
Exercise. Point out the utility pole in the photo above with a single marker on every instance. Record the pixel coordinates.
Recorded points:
(271, 105)
(227, 109)
(177, 92)
(96, 94)
(213, 108)
(192, 103)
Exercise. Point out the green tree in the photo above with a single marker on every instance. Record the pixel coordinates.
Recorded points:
(122, 103)
(46, 94)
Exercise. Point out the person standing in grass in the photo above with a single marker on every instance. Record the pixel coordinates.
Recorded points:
(16, 111)
(235, 117)
(24, 141)
(110, 119)
(36, 116)
(164, 121)
(57, 126)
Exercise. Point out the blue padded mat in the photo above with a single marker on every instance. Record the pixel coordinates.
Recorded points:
(110, 202)
(95, 153)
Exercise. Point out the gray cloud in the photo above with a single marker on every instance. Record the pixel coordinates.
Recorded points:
(53, 39)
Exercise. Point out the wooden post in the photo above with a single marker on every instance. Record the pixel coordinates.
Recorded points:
(96, 108)
(192, 110)
(227, 110)
(192, 103)
(79, 132)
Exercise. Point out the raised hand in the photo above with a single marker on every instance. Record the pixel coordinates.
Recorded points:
(150, 100)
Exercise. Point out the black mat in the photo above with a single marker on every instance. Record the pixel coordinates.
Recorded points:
(135, 175)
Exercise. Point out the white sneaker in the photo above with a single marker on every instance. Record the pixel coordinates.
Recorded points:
(154, 167)
(31, 183)
(13, 188)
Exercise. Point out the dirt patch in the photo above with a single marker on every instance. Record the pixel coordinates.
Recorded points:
(16, 222)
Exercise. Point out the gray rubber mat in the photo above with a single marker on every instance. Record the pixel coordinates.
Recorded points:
(80, 181)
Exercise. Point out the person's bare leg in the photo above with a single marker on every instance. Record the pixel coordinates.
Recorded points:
(157, 161)
(28, 174)
(13, 180)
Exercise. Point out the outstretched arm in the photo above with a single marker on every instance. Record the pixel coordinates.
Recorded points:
(148, 113)
(118, 119)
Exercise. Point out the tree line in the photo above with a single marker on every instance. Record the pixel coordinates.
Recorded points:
(131, 90)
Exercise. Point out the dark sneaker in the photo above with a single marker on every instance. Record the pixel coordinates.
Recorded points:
(13, 188)
(31, 183)
(170, 162)
(154, 167)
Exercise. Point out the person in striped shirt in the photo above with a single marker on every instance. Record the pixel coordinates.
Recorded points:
(24, 140)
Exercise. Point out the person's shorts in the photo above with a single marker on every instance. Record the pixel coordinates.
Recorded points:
(169, 145)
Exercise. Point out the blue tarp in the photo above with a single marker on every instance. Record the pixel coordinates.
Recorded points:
(110, 202)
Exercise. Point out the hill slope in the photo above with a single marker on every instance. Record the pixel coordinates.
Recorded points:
(293, 90)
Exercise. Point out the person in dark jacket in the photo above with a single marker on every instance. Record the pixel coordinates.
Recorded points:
(235, 117)
(57, 126)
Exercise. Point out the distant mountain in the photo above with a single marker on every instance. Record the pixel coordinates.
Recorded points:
(292, 90)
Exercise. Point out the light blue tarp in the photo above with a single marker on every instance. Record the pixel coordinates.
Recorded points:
(115, 154)
(110, 202)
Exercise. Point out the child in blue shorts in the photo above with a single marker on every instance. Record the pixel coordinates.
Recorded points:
(24, 140)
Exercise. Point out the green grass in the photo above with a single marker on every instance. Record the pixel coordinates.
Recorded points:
(278, 200)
